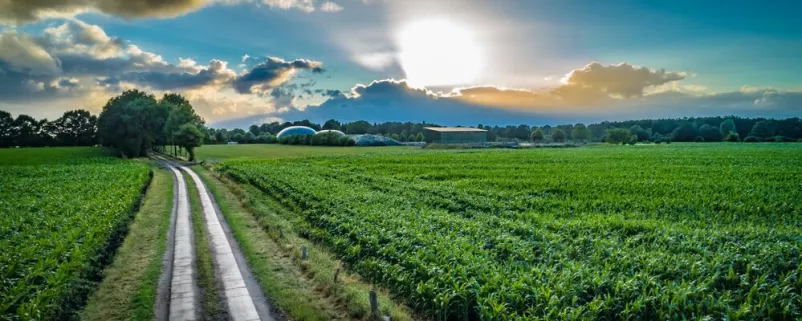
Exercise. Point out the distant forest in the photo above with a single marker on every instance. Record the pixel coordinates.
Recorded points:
(709, 129)
(80, 128)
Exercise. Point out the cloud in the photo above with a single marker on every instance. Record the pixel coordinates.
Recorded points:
(329, 6)
(74, 58)
(272, 72)
(396, 100)
(622, 80)
(20, 11)
(216, 73)
(303, 5)
(20, 54)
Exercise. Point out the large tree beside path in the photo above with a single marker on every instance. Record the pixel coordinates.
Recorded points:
(135, 123)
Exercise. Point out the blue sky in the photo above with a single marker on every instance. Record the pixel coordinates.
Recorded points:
(306, 58)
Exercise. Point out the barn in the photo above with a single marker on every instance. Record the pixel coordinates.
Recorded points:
(455, 135)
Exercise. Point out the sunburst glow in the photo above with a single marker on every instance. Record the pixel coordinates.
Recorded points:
(439, 53)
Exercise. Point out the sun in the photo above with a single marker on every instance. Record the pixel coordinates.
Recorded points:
(438, 52)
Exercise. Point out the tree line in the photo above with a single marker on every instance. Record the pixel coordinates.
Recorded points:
(136, 122)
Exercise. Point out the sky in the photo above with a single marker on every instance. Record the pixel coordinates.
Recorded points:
(452, 62)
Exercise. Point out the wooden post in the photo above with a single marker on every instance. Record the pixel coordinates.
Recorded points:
(303, 252)
(336, 274)
(374, 305)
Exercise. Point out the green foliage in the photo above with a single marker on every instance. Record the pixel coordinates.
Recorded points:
(733, 137)
(61, 222)
(617, 136)
(558, 135)
(130, 123)
(634, 233)
(420, 138)
(726, 127)
(639, 132)
(189, 137)
(709, 133)
(580, 133)
(762, 129)
(684, 133)
(537, 135)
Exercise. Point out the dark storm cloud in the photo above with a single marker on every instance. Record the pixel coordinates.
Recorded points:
(272, 73)
(20, 11)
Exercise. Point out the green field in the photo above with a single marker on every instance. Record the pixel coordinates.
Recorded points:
(267, 151)
(63, 215)
(681, 231)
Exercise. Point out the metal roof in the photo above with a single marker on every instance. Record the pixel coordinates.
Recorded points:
(454, 129)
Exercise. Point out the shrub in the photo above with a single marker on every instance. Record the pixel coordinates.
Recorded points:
(617, 136)
(752, 139)
(733, 137)
(699, 139)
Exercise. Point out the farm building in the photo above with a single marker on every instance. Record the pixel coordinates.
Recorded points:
(455, 135)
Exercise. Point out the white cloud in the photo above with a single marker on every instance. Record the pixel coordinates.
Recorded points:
(329, 6)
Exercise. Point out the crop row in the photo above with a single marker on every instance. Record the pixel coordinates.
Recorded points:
(60, 225)
(606, 233)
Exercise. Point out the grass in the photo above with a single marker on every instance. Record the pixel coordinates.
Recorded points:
(212, 303)
(266, 151)
(303, 289)
(129, 287)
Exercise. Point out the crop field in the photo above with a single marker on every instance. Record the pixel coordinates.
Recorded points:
(675, 231)
(63, 215)
(265, 151)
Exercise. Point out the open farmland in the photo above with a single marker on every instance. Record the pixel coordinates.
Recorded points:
(634, 232)
(265, 151)
(63, 215)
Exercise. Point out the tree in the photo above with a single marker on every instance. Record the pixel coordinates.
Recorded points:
(537, 135)
(221, 136)
(419, 137)
(189, 137)
(709, 133)
(255, 130)
(684, 133)
(727, 127)
(124, 126)
(761, 129)
(580, 133)
(179, 115)
(733, 137)
(638, 131)
(76, 128)
(121, 123)
(28, 131)
(6, 129)
(357, 127)
(558, 135)
(617, 136)
(332, 124)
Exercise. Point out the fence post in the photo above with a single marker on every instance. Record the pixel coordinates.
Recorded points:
(336, 274)
(374, 305)
(303, 252)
